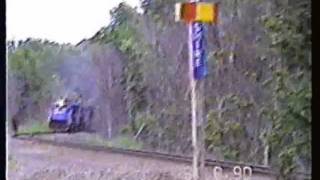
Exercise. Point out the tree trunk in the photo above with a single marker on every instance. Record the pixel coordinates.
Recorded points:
(109, 92)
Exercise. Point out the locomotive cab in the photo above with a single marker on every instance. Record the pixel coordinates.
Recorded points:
(65, 116)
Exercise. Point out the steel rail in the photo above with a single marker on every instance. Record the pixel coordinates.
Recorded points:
(229, 165)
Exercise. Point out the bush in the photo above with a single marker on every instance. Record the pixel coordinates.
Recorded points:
(34, 127)
(126, 143)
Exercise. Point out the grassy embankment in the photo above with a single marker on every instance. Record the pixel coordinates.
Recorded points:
(121, 141)
(34, 127)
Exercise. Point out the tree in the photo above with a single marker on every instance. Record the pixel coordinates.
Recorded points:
(290, 31)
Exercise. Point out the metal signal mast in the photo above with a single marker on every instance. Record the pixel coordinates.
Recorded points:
(195, 14)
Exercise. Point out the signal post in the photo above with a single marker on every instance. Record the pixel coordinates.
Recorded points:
(196, 14)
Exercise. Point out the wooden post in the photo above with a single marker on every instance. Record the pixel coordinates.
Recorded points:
(195, 173)
(195, 14)
(200, 127)
(197, 91)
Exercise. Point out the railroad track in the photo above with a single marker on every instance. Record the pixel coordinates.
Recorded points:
(227, 165)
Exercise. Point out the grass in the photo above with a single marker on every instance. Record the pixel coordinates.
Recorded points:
(34, 127)
(122, 141)
(118, 142)
(12, 164)
(98, 141)
(126, 143)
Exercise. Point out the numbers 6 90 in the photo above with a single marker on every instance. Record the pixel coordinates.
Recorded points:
(237, 171)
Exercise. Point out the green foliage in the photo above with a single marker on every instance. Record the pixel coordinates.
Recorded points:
(290, 32)
(34, 127)
(98, 141)
(229, 153)
(153, 81)
(291, 136)
(147, 121)
(126, 143)
(214, 130)
(125, 37)
(32, 65)
(224, 137)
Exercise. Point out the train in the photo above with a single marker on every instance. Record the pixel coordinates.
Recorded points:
(68, 115)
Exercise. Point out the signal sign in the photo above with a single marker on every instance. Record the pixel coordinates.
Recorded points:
(198, 51)
(197, 12)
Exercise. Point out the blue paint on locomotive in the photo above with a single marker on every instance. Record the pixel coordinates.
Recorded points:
(62, 114)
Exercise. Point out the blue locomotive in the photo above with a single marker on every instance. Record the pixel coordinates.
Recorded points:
(69, 116)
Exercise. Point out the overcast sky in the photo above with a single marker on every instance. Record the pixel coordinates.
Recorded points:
(63, 21)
